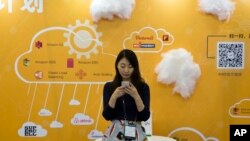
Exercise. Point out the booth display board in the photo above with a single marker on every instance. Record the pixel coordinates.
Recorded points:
(55, 61)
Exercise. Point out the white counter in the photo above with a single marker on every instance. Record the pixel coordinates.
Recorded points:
(152, 138)
(160, 138)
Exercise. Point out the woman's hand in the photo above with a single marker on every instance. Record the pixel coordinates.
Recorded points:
(131, 90)
(119, 91)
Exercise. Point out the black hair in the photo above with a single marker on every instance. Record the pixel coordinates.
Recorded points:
(136, 78)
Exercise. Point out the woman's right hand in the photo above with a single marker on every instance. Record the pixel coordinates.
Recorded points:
(119, 91)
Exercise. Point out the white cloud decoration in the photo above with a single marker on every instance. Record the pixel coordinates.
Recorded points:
(107, 9)
(74, 102)
(81, 119)
(44, 112)
(177, 67)
(223, 9)
(30, 129)
(95, 134)
(56, 124)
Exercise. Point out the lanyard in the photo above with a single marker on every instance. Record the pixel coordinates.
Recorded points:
(129, 129)
(124, 109)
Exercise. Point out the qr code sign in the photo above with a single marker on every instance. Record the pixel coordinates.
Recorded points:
(230, 55)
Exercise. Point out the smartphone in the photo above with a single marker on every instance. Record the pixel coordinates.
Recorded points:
(125, 84)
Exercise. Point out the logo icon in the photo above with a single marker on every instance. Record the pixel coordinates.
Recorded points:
(38, 44)
(26, 62)
(236, 110)
(165, 38)
(38, 74)
(239, 132)
(81, 74)
(140, 45)
(70, 63)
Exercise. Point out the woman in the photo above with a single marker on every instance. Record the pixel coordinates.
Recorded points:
(126, 105)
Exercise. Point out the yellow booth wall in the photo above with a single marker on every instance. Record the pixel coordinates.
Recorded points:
(51, 85)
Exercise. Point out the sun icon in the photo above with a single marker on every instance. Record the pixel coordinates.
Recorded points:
(83, 40)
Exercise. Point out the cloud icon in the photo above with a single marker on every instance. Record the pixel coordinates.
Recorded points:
(240, 109)
(75, 56)
(177, 66)
(148, 40)
(44, 112)
(81, 119)
(188, 133)
(223, 9)
(30, 129)
(108, 10)
(74, 102)
(95, 134)
(56, 124)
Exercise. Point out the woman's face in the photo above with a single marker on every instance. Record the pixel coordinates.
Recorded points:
(125, 69)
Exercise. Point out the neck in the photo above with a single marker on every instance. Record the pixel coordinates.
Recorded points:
(126, 79)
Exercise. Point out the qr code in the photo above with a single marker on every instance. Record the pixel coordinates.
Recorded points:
(230, 55)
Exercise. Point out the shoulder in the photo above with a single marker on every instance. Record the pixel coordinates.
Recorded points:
(144, 90)
(108, 85)
(145, 85)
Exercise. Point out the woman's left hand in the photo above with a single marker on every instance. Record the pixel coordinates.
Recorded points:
(131, 90)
